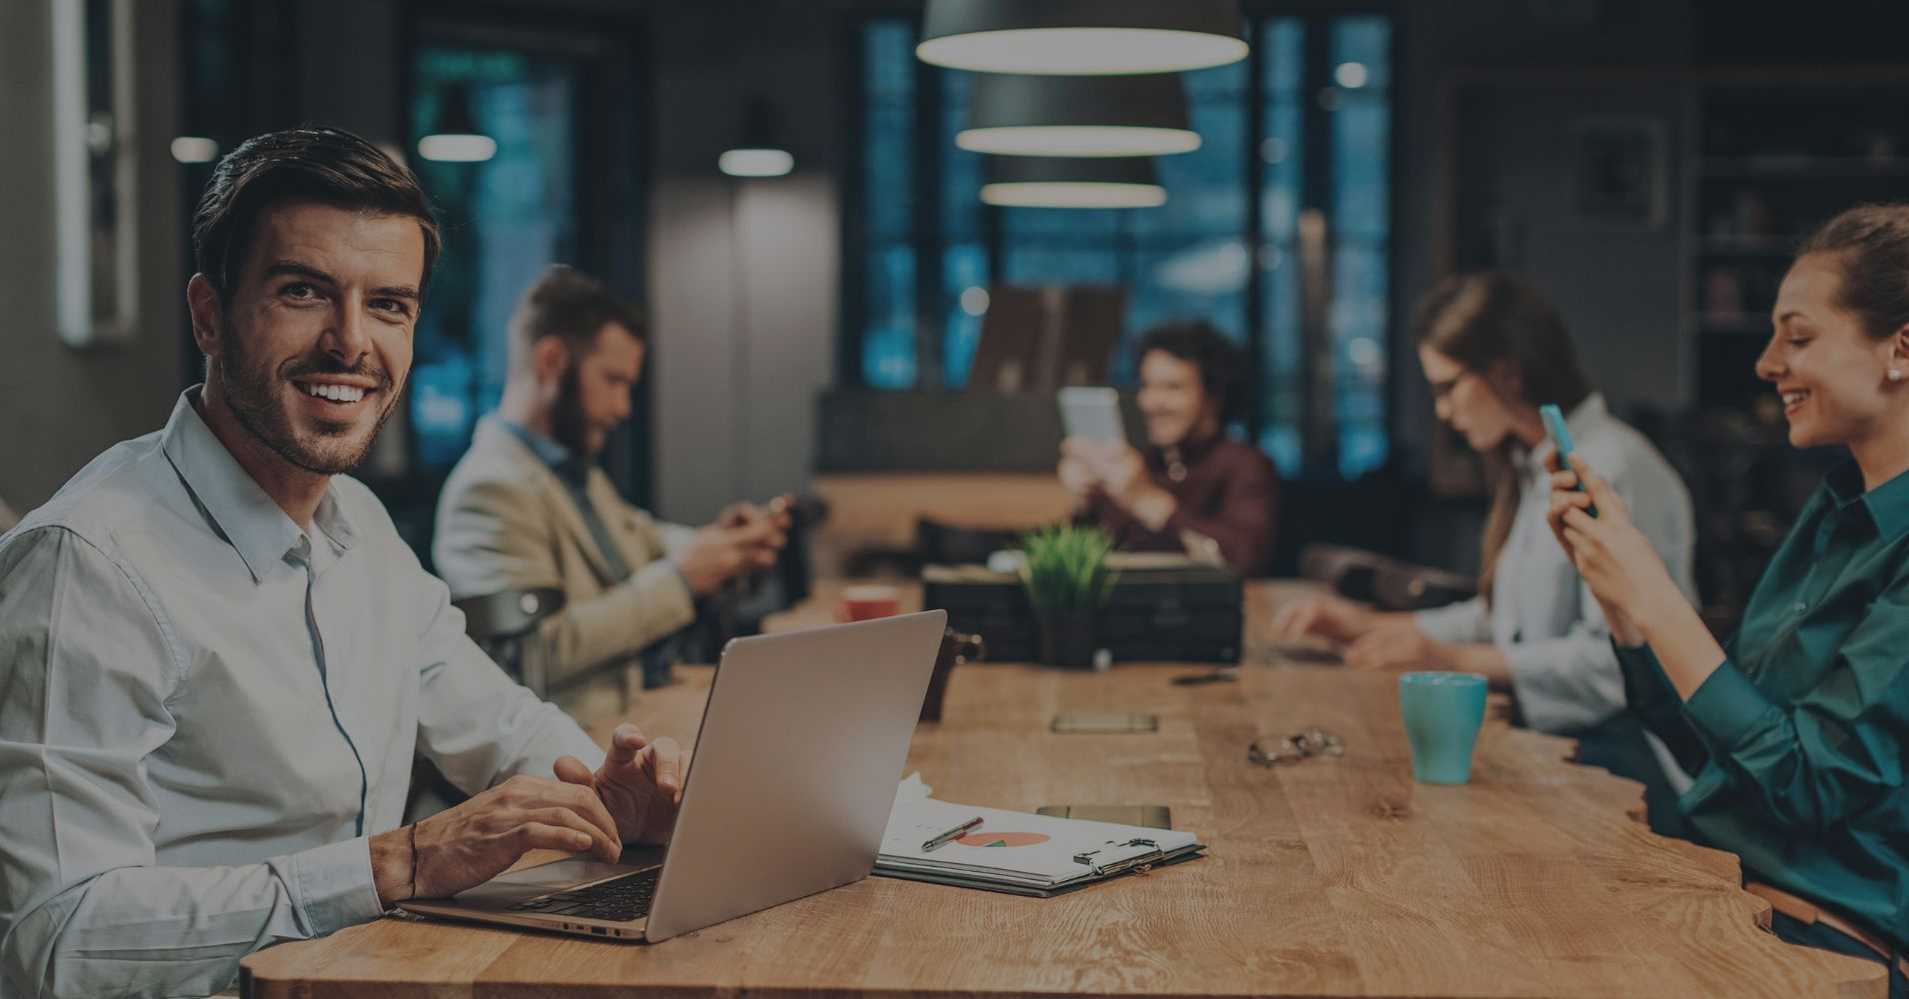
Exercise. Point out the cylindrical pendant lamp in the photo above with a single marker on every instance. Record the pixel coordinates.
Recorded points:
(1018, 114)
(1072, 182)
(1081, 37)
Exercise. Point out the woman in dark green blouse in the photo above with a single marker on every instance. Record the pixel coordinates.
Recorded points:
(1797, 729)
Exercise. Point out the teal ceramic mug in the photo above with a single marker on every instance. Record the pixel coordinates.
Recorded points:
(1442, 714)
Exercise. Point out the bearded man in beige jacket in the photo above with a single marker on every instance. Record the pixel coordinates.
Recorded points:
(528, 507)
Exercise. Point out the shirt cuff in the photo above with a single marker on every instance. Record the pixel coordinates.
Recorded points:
(1553, 684)
(332, 886)
(1727, 707)
(1460, 622)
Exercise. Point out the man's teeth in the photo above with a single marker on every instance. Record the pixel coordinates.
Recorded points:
(1792, 398)
(336, 393)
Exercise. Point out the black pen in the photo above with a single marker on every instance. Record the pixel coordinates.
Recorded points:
(950, 836)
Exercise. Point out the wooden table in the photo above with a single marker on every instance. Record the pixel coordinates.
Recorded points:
(1327, 877)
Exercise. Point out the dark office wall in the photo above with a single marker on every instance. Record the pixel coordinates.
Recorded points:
(744, 275)
(59, 407)
(1619, 291)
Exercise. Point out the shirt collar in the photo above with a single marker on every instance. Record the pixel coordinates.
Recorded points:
(241, 512)
(1888, 504)
(559, 458)
(1582, 418)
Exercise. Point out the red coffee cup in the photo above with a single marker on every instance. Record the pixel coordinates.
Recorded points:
(863, 603)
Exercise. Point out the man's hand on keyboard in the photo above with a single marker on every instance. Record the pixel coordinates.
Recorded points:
(640, 783)
(471, 843)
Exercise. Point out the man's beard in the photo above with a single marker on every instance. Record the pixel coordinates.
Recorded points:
(248, 392)
(568, 424)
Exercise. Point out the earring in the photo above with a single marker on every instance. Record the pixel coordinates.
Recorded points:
(1895, 374)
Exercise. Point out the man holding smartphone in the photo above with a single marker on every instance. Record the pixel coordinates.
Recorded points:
(528, 507)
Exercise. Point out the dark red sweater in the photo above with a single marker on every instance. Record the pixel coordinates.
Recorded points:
(1226, 490)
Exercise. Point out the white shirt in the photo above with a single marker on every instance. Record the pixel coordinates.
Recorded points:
(205, 713)
(1564, 673)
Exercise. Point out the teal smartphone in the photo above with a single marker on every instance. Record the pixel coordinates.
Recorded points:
(1561, 439)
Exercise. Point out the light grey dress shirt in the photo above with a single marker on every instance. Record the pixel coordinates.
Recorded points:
(205, 712)
(1564, 674)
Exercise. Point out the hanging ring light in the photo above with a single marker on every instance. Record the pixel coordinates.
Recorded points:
(1013, 114)
(1081, 37)
(1072, 182)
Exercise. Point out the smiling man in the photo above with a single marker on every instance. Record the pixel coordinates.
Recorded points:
(217, 657)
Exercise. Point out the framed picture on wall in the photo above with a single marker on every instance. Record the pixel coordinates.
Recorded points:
(1620, 177)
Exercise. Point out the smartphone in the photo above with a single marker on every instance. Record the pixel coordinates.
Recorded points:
(1561, 439)
(1092, 412)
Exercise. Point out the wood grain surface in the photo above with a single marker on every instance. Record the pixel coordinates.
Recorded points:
(1326, 877)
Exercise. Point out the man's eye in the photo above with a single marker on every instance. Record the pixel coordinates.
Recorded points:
(391, 305)
(298, 289)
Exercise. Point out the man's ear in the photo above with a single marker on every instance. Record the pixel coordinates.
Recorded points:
(208, 315)
(1899, 353)
(548, 356)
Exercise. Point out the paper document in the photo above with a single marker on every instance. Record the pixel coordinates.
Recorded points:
(1019, 851)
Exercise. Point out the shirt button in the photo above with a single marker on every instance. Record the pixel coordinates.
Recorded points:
(1798, 606)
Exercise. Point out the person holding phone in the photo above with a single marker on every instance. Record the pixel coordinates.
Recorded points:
(1192, 489)
(1495, 350)
(1798, 727)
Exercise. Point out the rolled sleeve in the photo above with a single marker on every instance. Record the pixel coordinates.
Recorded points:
(332, 885)
(1729, 709)
(1811, 763)
(1465, 621)
(1565, 684)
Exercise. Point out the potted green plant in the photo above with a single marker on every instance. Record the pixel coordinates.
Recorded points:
(1067, 580)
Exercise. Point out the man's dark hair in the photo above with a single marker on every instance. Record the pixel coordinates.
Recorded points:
(1199, 343)
(565, 302)
(325, 165)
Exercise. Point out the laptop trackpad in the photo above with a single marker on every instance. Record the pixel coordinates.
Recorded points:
(530, 882)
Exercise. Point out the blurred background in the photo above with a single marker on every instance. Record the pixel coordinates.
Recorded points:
(1647, 163)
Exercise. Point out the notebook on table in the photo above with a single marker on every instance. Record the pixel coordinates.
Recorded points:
(1020, 852)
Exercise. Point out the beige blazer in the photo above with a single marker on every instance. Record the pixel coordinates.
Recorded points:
(505, 521)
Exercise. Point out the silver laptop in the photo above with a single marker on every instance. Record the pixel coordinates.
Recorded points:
(802, 745)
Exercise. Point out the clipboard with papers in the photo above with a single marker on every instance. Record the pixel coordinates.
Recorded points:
(1019, 852)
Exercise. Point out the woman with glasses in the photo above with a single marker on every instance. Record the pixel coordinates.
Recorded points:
(1494, 350)
(1797, 727)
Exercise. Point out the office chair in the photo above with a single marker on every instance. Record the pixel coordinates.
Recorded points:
(503, 623)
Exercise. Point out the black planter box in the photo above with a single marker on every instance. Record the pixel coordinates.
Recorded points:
(1181, 614)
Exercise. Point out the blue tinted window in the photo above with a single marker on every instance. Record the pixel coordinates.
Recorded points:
(1361, 212)
(1189, 258)
(887, 213)
(1281, 162)
(504, 220)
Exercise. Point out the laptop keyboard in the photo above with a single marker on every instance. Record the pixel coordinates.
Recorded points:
(618, 899)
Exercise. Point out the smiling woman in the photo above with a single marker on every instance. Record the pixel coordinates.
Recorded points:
(1796, 726)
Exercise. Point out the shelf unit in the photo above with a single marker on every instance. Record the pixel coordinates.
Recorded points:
(1775, 155)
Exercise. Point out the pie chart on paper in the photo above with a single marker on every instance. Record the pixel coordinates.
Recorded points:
(1002, 839)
